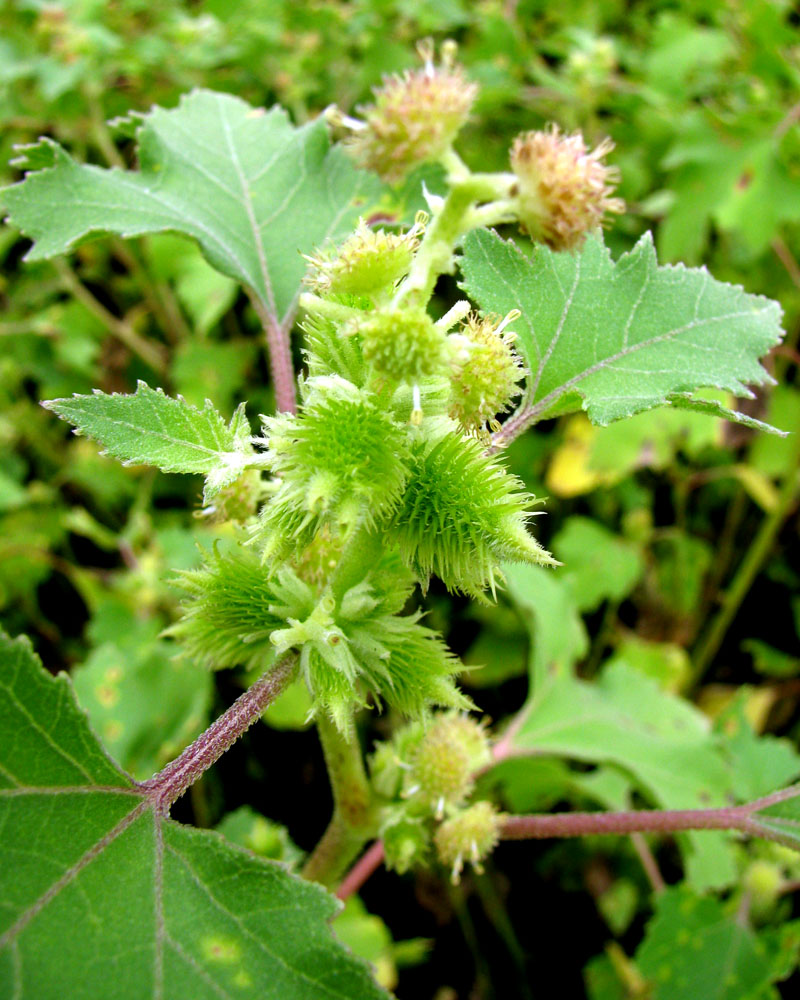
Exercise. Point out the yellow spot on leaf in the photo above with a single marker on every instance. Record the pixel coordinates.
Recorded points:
(107, 695)
(220, 949)
(112, 730)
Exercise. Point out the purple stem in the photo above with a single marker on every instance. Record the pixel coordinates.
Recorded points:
(280, 356)
(368, 863)
(582, 824)
(170, 783)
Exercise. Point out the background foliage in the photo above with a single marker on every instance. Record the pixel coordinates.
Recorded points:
(678, 608)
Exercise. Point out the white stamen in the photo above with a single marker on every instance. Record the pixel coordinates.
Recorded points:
(513, 315)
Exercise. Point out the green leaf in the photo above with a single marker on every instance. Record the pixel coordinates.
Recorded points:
(597, 564)
(782, 818)
(624, 718)
(100, 895)
(695, 948)
(145, 703)
(661, 741)
(260, 835)
(254, 191)
(769, 661)
(665, 662)
(548, 610)
(150, 428)
(759, 764)
(770, 455)
(208, 369)
(619, 338)
(205, 294)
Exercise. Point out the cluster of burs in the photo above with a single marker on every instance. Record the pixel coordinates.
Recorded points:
(384, 477)
(379, 481)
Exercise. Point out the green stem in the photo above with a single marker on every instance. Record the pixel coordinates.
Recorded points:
(449, 224)
(756, 556)
(332, 310)
(360, 556)
(353, 822)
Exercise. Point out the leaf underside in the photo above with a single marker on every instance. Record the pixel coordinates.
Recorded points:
(147, 908)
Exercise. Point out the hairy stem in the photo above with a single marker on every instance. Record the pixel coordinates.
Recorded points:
(170, 783)
(757, 554)
(585, 824)
(353, 821)
(279, 349)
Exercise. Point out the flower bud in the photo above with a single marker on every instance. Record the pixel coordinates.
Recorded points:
(763, 880)
(406, 840)
(446, 758)
(564, 188)
(404, 345)
(368, 262)
(470, 835)
(415, 117)
(486, 372)
(238, 501)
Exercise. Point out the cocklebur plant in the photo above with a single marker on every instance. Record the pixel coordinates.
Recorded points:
(385, 471)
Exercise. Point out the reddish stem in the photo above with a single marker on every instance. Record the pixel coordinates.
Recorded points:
(170, 783)
(279, 349)
(368, 863)
(583, 824)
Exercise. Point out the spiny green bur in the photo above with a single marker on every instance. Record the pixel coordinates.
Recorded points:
(444, 762)
(404, 345)
(368, 263)
(461, 514)
(340, 460)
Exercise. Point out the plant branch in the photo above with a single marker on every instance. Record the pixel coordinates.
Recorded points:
(170, 783)
(353, 821)
(150, 353)
(786, 257)
(542, 826)
(367, 864)
(450, 222)
(757, 554)
(280, 355)
(649, 863)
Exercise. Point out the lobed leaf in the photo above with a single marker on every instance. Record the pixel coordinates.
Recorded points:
(253, 190)
(618, 338)
(150, 428)
(695, 948)
(149, 908)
